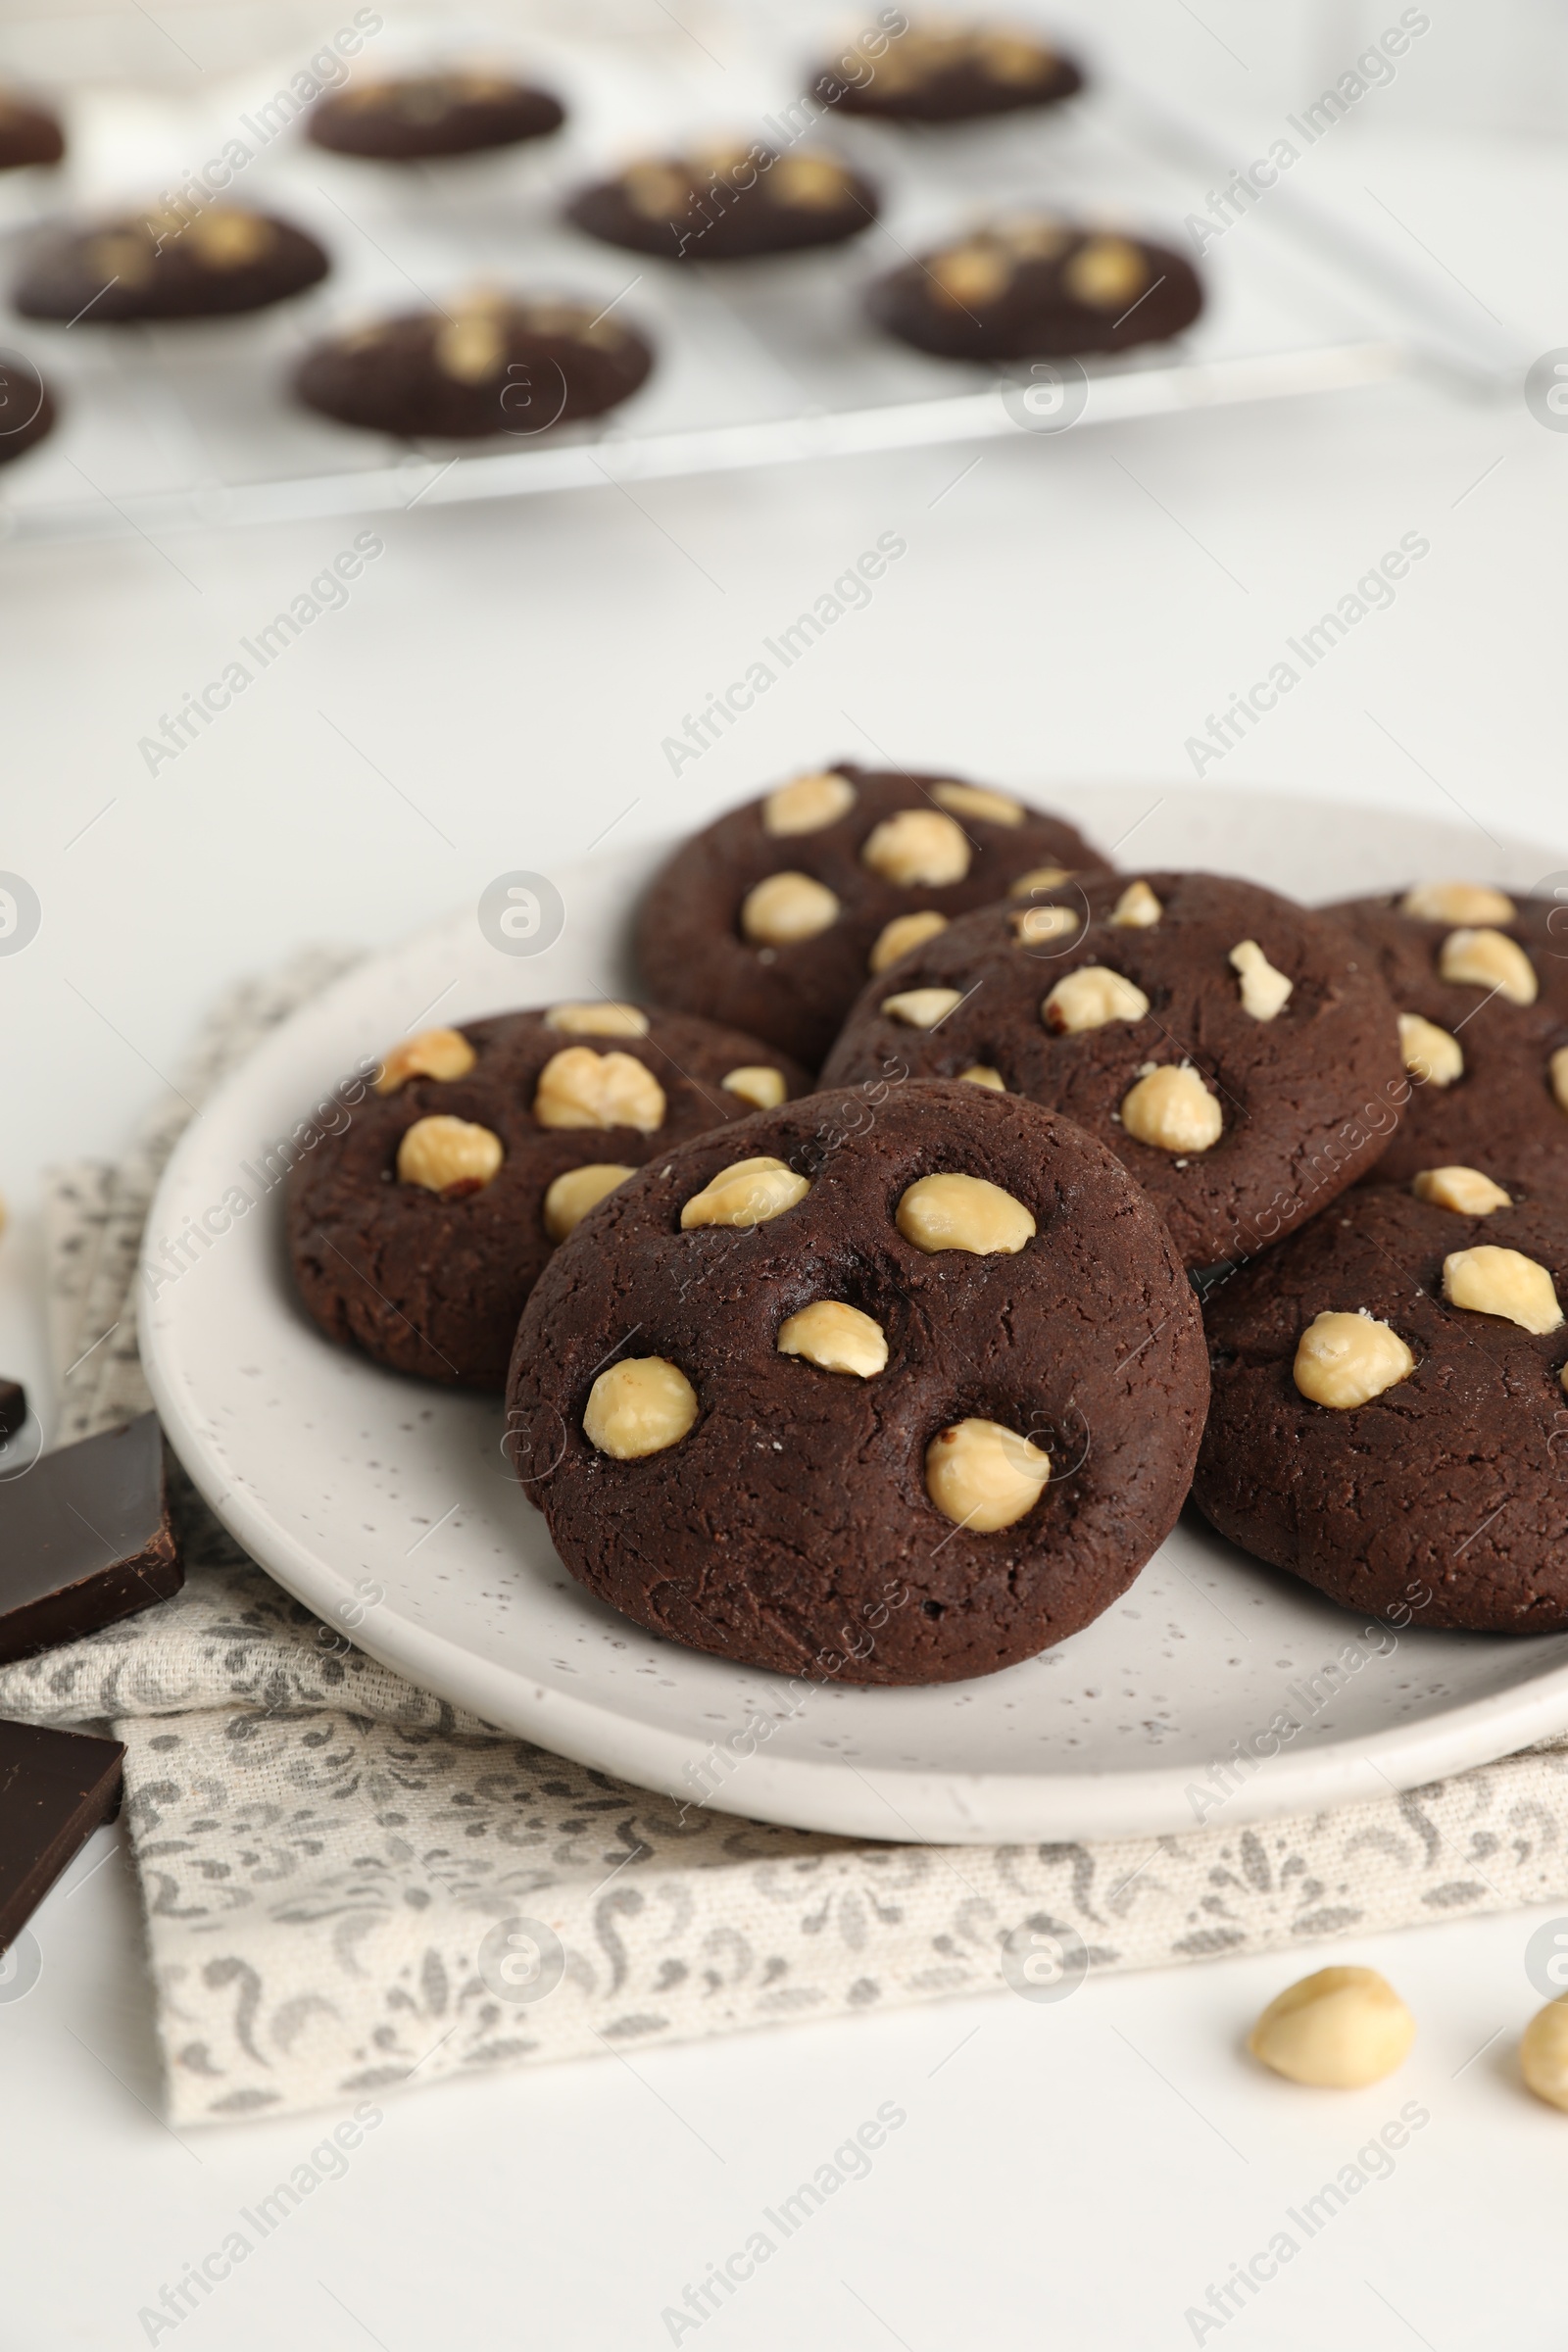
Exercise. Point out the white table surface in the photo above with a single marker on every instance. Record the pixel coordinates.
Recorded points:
(495, 697)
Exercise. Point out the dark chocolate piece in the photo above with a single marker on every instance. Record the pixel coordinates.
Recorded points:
(13, 1406)
(56, 1787)
(84, 1540)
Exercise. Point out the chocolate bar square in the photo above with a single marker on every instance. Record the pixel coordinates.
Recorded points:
(55, 1789)
(84, 1540)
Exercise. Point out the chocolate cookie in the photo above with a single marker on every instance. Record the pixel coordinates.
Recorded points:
(890, 1386)
(166, 266)
(1479, 981)
(774, 915)
(1389, 1418)
(28, 132)
(28, 409)
(418, 1230)
(403, 118)
(726, 204)
(947, 73)
(493, 364)
(1034, 288)
(1235, 1051)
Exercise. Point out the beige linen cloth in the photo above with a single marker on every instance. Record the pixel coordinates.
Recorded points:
(335, 1863)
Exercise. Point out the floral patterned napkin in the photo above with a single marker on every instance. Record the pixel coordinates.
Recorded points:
(350, 1886)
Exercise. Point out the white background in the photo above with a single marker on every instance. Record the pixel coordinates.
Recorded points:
(1070, 609)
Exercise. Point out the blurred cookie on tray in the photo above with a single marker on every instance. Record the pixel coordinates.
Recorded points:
(729, 201)
(30, 132)
(493, 362)
(1032, 285)
(27, 408)
(167, 264)
(941, 72)
(412, 117)
(418, 1227)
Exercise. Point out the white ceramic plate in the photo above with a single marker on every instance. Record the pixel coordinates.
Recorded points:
(341, 1479)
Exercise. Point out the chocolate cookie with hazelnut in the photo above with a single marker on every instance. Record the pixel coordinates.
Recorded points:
(1031, 286)
(774, 915)
(1236, 1052)
(168, 265)
(404, 118)
(1480, 980)
(491, 363)
(947, 73)
(417, 1231)
(1388, 1415)
(727, 203)
(890, 1386)
(28, 409)
(30, 133)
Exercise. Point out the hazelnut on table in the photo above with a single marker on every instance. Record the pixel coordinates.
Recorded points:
(1337, 2030)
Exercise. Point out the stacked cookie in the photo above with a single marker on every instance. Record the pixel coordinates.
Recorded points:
(897, 1386)
(419, 1230)
(1388, 1415)
(898, 1373)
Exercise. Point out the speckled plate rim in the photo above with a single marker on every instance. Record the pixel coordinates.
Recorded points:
(864, 1789)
